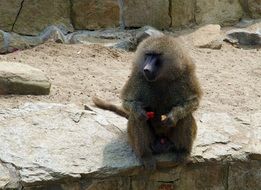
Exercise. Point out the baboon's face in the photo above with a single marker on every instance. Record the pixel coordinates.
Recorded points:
(152, 66)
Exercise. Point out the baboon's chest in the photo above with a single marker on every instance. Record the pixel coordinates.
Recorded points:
(162, 103)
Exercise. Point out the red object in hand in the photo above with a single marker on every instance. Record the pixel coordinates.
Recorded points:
(150, 115)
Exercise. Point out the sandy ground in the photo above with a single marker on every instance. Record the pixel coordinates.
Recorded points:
(230, 77)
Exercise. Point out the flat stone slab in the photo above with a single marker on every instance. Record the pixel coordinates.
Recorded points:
(47, 143)
(17, 78)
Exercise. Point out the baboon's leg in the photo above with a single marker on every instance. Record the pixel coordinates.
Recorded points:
(141, 138)
(182, 136)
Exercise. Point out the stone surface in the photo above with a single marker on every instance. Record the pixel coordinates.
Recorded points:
(244, 23)
(2, 42)
(93, 14)
(243, 37)
(55, 146)
(8, 12)
(36, 15)
(72, 142)
(182, 12)
(254, 8)
(17, 78)
(10, 42)
(245, 176)
(4, 177)
(148, 12)
(195, 176)
(224, 12)
(208, 36)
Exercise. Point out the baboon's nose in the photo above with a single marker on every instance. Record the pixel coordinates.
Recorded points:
(148, 74)
(147, 71)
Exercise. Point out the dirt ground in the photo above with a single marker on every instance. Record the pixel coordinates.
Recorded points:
(230, 77)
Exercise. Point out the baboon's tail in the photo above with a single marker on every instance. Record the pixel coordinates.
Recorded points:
(111, 107)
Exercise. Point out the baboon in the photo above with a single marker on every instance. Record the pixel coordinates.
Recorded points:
(162, 82)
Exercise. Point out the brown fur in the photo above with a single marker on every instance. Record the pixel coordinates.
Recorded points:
(175, 93)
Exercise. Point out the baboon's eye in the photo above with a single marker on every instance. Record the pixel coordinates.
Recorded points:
(158, 62)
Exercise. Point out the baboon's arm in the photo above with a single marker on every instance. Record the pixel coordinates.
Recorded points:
(181, 111)
(134, 107)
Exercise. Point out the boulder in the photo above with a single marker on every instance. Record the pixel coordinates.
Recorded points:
(37, 15)
(148, 12)
(224, 12)
(93, 14)
(56, 146)
(8, 12)
(208, 36)
(17, 78)
(243, 37)
(182, 12)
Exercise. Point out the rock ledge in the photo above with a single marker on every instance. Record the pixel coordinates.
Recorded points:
(55, 146)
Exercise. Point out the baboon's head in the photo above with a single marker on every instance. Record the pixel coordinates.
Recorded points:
(159, 58)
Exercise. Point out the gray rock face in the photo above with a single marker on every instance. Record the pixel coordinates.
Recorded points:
(4, 177)
(63, 142)
(243, 37)
(182, 12)
(148, 12)
(222, 12)
(17, 78)
(93, 14)
(8, 12)
(36, 15)
(2, 42)
(54, 146)
(252, 8)
(10, 42)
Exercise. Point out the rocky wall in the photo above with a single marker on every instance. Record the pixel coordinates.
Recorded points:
(29, 17)
(88, 150)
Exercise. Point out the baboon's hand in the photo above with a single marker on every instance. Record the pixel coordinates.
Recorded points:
(141, 114)
(139, 111)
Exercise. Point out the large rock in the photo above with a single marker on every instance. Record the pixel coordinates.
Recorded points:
(93, 14)
(17, 78)
(36, 15)
(243, 37)
(148, 12)
(8, 12)
(208, 36)
(182, 12)
(224, 12)
(55, 146)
